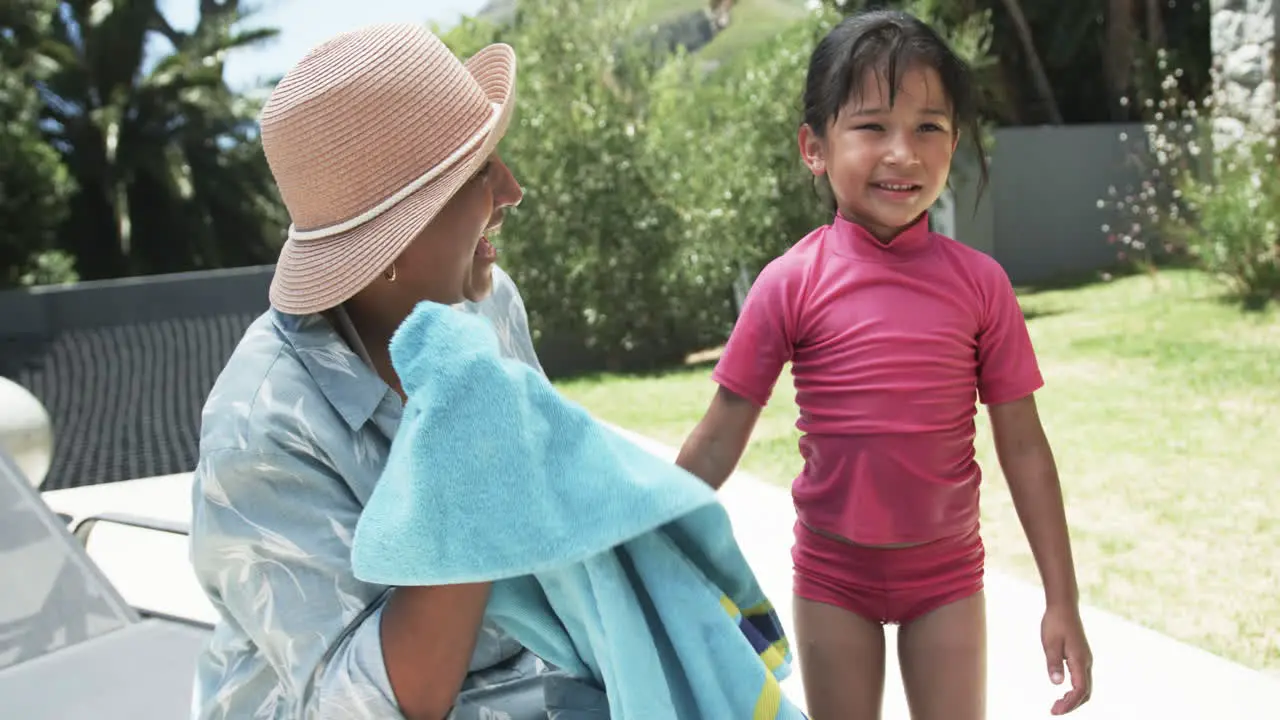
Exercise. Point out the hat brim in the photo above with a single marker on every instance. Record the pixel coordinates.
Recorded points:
(314, 276)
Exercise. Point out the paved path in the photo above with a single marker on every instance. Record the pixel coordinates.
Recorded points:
(1138, 674)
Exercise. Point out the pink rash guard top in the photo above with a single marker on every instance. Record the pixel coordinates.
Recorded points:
(889, 344)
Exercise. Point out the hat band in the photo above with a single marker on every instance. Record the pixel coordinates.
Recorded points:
(404, 192)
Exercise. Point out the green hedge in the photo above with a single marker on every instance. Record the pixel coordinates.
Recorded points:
(650, 186)
(655, 188)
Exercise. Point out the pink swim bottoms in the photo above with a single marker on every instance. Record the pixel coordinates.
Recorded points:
(887, 585)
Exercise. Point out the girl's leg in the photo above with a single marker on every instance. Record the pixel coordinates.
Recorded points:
(841, 661)
(943, 655)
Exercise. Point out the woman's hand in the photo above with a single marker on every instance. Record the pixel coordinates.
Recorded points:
(1062, 633)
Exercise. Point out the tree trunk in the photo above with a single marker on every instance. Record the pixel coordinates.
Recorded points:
(1038, 76)
(1155, 24)
(1119, 54)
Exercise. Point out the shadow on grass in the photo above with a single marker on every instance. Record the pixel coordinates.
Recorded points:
(654, 372)
(1038, 313)
(1253, 303)
(1082, 279)
(1075, 280)
(704, 361)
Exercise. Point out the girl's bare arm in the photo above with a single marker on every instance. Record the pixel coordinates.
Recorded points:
(1028, 465)
(716, 444)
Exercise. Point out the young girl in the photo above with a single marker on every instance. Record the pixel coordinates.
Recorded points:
(892, 332)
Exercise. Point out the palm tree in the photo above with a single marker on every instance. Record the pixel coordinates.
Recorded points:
(165, 158)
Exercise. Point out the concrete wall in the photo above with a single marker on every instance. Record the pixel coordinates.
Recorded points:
(1039, 215)
(962, 213)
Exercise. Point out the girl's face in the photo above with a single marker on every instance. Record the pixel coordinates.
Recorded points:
(886, 165)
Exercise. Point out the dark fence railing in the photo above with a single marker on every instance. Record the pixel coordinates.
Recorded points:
(123, 367)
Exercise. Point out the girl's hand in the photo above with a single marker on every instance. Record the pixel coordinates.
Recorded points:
(1062, 634)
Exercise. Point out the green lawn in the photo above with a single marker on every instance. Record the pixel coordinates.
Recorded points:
(657, 11)
(753, 22)
(1163, 406)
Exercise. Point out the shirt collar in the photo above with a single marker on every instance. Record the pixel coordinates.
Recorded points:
(348, 382)
(857, 242)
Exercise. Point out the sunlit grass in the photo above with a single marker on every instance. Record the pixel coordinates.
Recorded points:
(1163, 407)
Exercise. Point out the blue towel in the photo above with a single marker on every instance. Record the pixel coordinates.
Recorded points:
(607, 561)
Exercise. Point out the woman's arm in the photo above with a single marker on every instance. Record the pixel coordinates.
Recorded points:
(429, 633)
(271, 542)
(716, 444)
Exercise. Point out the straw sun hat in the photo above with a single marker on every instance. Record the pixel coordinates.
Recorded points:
(368, 137)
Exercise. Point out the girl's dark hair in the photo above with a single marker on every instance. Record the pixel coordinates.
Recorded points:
(890, 41)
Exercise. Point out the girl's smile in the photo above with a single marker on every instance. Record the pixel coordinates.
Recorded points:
(897, 190)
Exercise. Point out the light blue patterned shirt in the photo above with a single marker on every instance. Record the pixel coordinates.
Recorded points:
(295, 433)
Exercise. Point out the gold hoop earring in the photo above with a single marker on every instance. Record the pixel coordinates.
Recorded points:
(390, 275)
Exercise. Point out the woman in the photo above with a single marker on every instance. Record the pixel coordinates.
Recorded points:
(383, 146)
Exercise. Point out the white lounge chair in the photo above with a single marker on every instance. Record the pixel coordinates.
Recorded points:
(70, 646)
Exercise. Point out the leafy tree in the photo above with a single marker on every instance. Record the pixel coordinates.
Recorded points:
(1232, 224)
(168, 174)
(723, 152)
(34, 184)
(591, 246)
(1050, 55)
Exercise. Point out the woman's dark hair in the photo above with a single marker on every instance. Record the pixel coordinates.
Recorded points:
(890, 41)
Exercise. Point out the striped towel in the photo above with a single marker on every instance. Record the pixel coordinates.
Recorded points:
(607, 561)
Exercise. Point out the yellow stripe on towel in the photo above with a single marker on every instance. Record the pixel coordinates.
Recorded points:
(770, 701)
(730, 607)
(775, 656)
